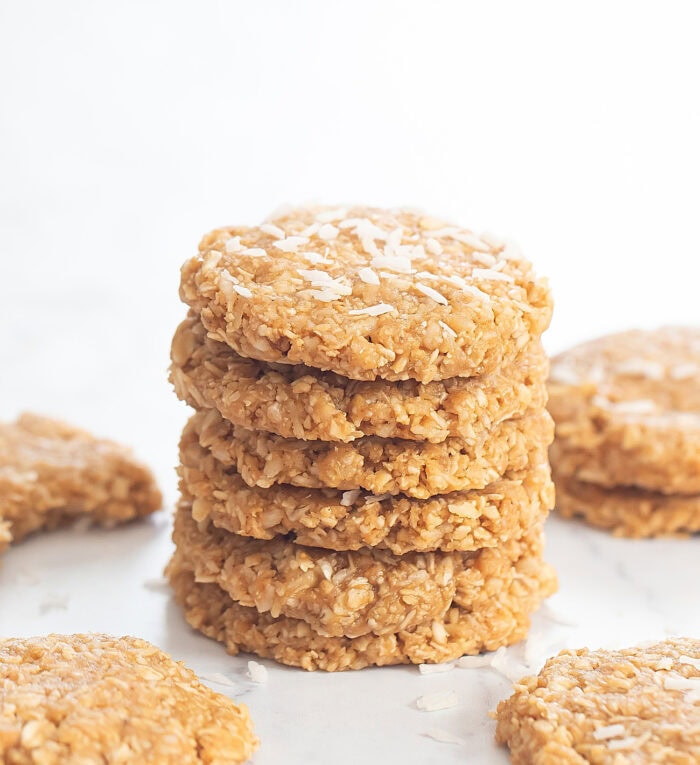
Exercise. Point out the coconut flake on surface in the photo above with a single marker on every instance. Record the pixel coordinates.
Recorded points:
(692, 697)
(510, 669)
(326, 568)
(350, 497)
(314, 258)
(485, 258)
(376, 497)
(239, 289)
(433, 702)
(328, 232)
(272, 230)
(679, 683)
(434, 669)
(447, 328)
(652, 370)
(493, 240)
(474, 662)
(310, 230)
(368, 276)
(433, 246)
(624, 743)
(683, 659)
(608, 731)
(488, 274)
(443, 736)
(331, 216)
(372, 310)
(684, 371)
(400, 264)
(254, 252)
(638, 406)
(433, 294)
(291, 243)
(470, 239)
(218, 678)
(233, 245)
(257, 672)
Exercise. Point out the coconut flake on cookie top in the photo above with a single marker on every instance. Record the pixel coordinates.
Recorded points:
(367, 293)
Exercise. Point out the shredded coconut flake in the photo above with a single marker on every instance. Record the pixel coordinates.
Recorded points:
(272, 230)
(438, 297)
(398, 263)
(474, 662)
(488, 274)
(328, 232)
(373, 310)
(233, 244)
(466, 237)
(493, 240)
(434, 669)
(684, 371)
(376, 497)
(239, 289)
(330, 216)
(254, 252)
(349, 497)
(368, 276)
(314, 257)
(432, 702)
(448, 329)
(291, 243)
(219, 679)
(443, 736)
(642, 368)
(433, 246)
(608, 731)
(683, 659)
(623, 743)
(679, 683)
(311, 230)
(257, 672)
(326, 569)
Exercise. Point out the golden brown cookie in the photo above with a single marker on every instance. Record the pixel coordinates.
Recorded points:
(301, 402)
(627, 410)
(51, 473)
(638, 705)
(376, 465)
(348, 520)
(101, 699)
(371, 293)
(628, 511)
(337, 593)
(499, 615)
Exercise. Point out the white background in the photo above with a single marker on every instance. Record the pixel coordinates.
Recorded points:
(129, 129)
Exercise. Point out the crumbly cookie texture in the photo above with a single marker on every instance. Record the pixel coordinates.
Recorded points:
(305, 403)
(51, 473)
(339, 593)
(367, 293)
(348, 520)
(627, 410)
(499, 614)
(96, 698)
(628, 511)
(376, 465)
(638, 705)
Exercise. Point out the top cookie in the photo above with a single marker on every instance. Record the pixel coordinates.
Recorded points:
(627, 409)
(368, 294)
(96, 698)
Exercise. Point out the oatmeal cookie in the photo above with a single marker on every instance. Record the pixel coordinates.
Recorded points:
(51, 473)
(305, 403)
(96, 698)
(367, 293)
(628, 511)
(638, 705)
(339, 593)
(376, 465)
(627, 410)
(348, 520)
(499, 616)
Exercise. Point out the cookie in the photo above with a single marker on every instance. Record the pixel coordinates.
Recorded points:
(96, 698)
(638, 705)
(627, 410)
(339, 593)
(51, 473)
(628, 511)
(367, 293)
(348, 520)
(500, 616)
(376, 465)
(305, 403)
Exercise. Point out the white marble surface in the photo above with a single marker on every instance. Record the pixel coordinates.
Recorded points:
(129, 129)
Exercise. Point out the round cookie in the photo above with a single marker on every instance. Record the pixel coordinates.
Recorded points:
(348, 520)
(376, 465)
(96, 698)
(305, 403)
(627, 410)
(337, 593)
(367, 293)
(628, 511)
(499, 616)
(638, 705)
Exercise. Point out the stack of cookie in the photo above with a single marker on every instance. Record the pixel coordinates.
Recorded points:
(366, 476)
(627, 450)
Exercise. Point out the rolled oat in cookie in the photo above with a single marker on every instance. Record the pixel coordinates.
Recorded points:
(388, 294)
(499, 615)
(628, 511)
(627, 410)
(339, 593)
(348, 520)
(376, 465)
(637, 705)
(101, 699)
(305, 403)
(52, 473)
